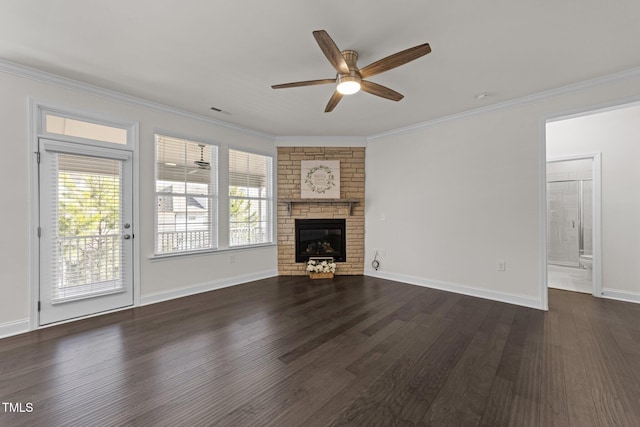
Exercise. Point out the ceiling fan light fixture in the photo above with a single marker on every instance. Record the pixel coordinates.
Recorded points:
(348, 85)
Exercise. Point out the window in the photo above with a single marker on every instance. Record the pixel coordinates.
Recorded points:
(250, 198)
(84, 129)
(186, 195)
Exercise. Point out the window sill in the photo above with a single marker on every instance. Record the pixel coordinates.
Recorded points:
(207, 252)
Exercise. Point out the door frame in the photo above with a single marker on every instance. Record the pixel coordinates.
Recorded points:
(596, 272)
(36, 131)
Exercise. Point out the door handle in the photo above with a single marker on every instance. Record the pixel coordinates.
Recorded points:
(573, 224)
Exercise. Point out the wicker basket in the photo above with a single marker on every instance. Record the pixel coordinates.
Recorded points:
(320, 275)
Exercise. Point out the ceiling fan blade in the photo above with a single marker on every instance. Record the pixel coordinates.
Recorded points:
(333, 101)
(395, 60)
(331, 51)
(379, 90)
(305, 83)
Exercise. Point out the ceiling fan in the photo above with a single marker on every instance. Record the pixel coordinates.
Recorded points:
(201, 164)
(350, 78)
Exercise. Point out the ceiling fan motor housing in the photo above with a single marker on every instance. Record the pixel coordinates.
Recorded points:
(353, 76)
(349, 83)
(351, 57)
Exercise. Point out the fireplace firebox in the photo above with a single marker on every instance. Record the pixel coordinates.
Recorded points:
(321, 238)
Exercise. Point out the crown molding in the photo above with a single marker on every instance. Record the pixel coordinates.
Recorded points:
(321, 141)
(66, 83)
(586, 84)
(308, 141)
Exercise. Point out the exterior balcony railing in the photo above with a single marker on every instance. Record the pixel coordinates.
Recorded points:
(179, 241)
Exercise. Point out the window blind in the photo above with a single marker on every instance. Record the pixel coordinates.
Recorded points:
(250, 198)
(86, 223)
(186, 195)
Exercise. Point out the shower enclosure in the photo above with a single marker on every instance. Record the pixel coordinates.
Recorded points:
(574, 235)
(569, 215)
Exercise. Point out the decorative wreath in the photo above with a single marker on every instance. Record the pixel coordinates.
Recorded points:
(323, 187)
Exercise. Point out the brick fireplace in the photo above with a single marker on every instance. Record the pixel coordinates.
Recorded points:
(351, 189)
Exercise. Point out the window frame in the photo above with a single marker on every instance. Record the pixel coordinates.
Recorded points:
(214, 198)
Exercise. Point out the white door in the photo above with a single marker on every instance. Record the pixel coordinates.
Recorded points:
(86, 233)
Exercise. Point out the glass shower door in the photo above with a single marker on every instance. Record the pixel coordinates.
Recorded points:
(563, 221)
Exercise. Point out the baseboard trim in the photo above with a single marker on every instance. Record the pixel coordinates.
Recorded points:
(626, 296)
(205, 287)
(521, 300)
(14, 328)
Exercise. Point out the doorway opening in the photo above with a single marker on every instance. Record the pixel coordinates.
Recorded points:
(609, 137)
(571, 227)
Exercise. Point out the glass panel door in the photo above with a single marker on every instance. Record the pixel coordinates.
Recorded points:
(86, 230)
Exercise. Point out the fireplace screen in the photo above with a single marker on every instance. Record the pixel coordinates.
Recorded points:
(321, 238)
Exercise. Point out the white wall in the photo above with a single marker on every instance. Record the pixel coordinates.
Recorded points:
(459, 195)
(615, 134)
(160, 279)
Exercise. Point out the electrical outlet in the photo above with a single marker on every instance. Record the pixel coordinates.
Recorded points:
(232, 259)
(502, 266)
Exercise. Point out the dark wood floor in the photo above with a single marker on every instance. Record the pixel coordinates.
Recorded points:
(354, 351)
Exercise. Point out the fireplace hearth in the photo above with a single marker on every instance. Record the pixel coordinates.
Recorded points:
(321, 238)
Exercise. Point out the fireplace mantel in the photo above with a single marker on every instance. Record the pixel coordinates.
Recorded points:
(290, 202)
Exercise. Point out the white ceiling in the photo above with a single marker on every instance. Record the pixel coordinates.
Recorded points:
(192, 54)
